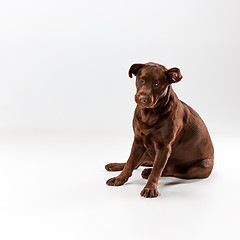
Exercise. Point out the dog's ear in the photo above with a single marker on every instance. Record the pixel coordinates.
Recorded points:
(174, 75)
(134, 69)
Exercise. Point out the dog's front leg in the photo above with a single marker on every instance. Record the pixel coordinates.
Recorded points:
(133, 161)
(161, 158)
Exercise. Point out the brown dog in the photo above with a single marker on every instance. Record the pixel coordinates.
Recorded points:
(168, 134)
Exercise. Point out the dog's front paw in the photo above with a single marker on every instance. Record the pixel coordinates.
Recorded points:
(149, 192)
(116, 181)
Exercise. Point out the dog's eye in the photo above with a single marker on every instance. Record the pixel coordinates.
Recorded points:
(156, 84)
(142, 80)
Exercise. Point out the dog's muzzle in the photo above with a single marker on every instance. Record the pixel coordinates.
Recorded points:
(143, 99)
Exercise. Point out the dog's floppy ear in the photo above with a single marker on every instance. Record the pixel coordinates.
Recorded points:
(134, 69)
(174, 75)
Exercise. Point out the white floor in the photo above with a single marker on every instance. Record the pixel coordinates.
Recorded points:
(52, 186)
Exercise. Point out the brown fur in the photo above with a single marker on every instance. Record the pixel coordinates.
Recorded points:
(168, 134)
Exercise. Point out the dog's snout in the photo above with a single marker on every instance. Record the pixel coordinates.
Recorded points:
(143, 98)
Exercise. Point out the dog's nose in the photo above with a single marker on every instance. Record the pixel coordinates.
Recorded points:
(143, 98)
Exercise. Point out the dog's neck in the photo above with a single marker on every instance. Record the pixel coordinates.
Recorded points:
(159, 108)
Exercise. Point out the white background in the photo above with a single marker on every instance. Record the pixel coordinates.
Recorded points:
(66, 106)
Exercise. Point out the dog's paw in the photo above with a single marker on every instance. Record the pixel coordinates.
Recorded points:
(116, 181)
(114, 166)
(149, 192)
(146, 172)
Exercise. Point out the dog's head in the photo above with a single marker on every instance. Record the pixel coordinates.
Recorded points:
(152, 82)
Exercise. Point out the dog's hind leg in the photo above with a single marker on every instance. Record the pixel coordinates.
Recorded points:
(147, 164)
(115, 167)
(198, 170)
(145, 161)
(146, 172)
(133, 162)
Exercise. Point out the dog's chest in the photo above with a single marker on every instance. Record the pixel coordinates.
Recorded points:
(145, 132)
(150, 127)
(144, 129)
(147, 122)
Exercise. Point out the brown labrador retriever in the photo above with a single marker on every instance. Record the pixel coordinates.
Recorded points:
(168, 134)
